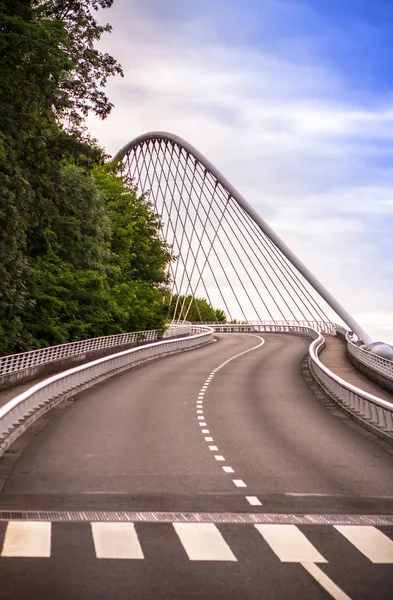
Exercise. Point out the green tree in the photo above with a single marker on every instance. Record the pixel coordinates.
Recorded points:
(220, 316)
(195, 309)
(139, 279)
(81, 252)
(28, 55)
(104, 272)
(78, 88)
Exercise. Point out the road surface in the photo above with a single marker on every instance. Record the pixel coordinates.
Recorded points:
(214, 473)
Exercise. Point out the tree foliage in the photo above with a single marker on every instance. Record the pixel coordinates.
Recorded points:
(195, 310)
(81, 252)
(79, 86)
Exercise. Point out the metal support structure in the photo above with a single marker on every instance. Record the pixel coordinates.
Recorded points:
(240, 252)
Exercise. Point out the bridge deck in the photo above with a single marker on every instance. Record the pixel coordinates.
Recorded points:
(334, 356)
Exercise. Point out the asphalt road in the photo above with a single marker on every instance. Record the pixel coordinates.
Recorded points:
(229, 429)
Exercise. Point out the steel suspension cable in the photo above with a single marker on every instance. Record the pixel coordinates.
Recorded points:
(250, 278)
(258, 274)
(246, 233)
(185, 266)
(307, 299)
(195, 263)
(218, 259)
(212, 192)
(232, 215)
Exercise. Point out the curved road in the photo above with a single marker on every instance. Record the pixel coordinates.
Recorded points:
(228, 428)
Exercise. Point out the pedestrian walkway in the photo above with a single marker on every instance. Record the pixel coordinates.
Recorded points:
(334, 357)
(198, 541)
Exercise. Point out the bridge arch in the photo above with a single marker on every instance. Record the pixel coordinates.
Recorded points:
(218, 235)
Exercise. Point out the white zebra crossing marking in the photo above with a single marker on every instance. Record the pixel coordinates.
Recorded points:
(325, 581)
(290, 544)
(203, 541)
(116, 540)
(27, 539)
(371, 542)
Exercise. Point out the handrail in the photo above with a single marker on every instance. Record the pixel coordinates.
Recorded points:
(23, 410)
(14, 363)
(266, 326)
(380, 365)
(370, 409)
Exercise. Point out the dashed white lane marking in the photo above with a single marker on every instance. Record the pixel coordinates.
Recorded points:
(27, 539)
(253, 500)
(116, 540)
(239, 483)
(203, 541)
(290, 544)
(371, 542)
(325, 581)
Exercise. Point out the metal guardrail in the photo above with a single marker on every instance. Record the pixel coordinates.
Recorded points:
(25, 360)
(374, 411)
(275, 326)
(380, 365)
(23, 410)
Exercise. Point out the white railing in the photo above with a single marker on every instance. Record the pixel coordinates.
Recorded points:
(370, 409)
(23, 410)
(276, 326)
(25, 360)
(376, 363)
(178, 329)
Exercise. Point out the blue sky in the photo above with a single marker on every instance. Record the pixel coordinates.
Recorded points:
(352, 37)
(293, 102)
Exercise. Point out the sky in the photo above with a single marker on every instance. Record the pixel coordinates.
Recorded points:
(293, 102)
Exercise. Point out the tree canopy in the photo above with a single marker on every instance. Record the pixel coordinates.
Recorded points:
(195, 310)
(81, 250)
(78, 88)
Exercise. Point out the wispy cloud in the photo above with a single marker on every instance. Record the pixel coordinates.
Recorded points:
(285, 127)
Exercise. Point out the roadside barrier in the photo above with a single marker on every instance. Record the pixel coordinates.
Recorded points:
(22, 411)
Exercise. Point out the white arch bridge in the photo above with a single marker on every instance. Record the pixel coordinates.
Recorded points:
(226, 252)
(233, 453)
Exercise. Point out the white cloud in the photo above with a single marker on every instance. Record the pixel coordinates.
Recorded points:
(283, 132)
